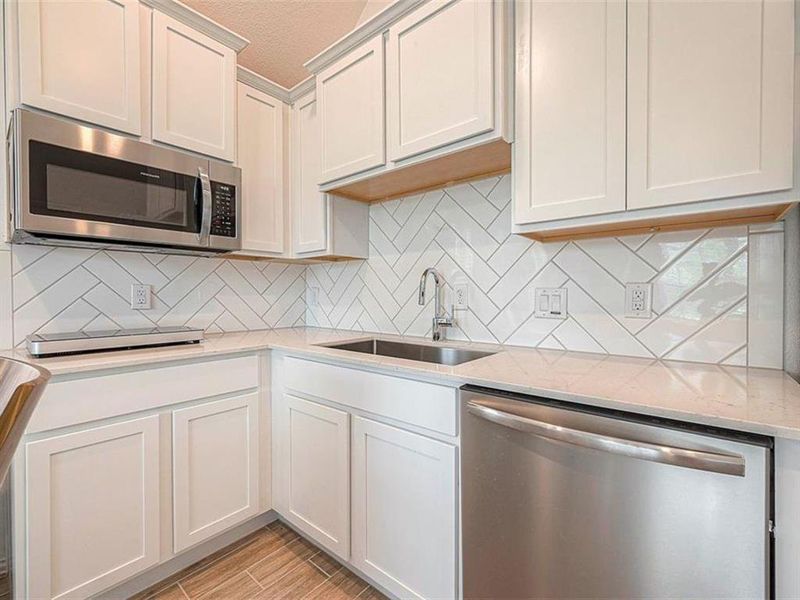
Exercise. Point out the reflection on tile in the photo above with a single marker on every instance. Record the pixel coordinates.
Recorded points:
(765, 300)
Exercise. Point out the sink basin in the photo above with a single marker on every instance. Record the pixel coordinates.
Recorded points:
(432, 354)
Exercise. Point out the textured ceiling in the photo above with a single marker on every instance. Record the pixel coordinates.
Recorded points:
(283, 34)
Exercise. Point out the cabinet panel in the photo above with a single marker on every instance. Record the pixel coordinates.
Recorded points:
(316, 453)
(710, 89)
(425, 108)
(404, 510)
(260, 155)
(350, 94)
(569, 157)
(309, 208)
(194, 89)
(215, 454)
(77, 547)
(81, 59)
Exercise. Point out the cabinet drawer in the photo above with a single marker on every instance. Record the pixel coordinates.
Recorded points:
(90, 398)
(426, 405)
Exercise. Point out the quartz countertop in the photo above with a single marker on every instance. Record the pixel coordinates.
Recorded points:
(762, 401)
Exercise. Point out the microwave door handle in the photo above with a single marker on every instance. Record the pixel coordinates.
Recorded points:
(694, 459)
(205, 206)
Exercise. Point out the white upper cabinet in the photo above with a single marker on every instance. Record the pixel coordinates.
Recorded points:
(194, 89)
(92, 508)
(710, 99)
(569, 157)
(215, 458)
(439, 76)
(309, 205)
(260, 155)
(350, 96)
(81, 59)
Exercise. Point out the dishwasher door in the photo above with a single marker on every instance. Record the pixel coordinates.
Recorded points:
(560, 501)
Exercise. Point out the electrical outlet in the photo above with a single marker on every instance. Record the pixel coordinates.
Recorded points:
(313, 296)
(460, 296)
(140, 296)
(550, 303)
(638, 300)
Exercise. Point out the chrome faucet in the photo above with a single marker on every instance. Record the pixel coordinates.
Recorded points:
(440, 317)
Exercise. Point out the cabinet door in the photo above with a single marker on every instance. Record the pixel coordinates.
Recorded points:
(194, 89)
(404, 510)
(260, 155)
(316, 454)
(215, 457)
(81, 59)
(709, 99)
(439, 74)
(569, 151)
(351, 100)
(92, 508)
(309, 206)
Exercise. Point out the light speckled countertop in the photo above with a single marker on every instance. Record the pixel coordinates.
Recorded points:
(756, 400)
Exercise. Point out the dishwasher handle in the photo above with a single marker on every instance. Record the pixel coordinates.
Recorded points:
(728, 464)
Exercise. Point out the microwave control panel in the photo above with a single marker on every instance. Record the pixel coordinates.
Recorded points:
(223, 209)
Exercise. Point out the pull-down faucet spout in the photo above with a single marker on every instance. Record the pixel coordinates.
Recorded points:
(440, 317)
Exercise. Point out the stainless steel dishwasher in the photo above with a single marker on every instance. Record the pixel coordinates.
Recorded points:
(565, 501)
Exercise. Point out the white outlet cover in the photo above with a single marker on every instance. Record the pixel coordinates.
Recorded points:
(639, 300)
(313, 296)
(461, 296)
(141, 296)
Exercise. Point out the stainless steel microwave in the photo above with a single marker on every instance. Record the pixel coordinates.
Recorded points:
(77, 185)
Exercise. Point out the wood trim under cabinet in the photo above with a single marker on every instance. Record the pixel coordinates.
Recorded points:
(473, 163)
(723, 218)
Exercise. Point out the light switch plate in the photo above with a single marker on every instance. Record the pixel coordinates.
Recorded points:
(550, 303)
(638, 300)
(460, 296)
(140, 296)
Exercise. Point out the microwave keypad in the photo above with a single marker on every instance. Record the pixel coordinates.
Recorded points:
(223, 209)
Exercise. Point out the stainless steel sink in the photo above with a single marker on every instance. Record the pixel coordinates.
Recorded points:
(432, 354)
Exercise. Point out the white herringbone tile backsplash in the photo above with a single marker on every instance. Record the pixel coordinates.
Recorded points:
(700, 282)
(71, 289)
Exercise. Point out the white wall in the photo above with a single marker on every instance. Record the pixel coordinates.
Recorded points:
(717, 293)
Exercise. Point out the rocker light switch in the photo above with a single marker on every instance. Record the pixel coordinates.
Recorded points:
(551, 303)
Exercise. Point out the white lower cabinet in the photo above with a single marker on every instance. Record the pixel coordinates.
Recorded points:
(316, 447)
(93, 508)
(404, 510)
(215, 467)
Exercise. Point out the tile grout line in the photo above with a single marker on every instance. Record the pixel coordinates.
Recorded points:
(258, 583)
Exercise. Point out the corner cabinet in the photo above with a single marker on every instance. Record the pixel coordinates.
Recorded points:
(350, 94)
(439, 76)
(631, 117)
(215, 462)
(93, 508)
(81, 59)
(404, 510)
(194, 89)
(260, 149)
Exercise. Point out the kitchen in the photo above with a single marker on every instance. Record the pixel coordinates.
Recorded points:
(410, 299)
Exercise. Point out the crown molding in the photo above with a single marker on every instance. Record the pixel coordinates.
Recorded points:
(376, 25)
(200, 22)
(303, 88)
(263, 84)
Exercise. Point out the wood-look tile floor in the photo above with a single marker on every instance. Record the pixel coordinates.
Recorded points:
(274, 562)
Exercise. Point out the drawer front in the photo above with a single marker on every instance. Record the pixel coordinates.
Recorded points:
(102, 396)
(426, 405)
